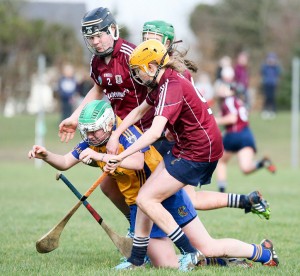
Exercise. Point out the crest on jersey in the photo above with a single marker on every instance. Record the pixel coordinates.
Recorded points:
(182, 212)
(131, 139)
(119, 79)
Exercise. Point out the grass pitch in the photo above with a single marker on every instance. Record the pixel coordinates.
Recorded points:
(32, 202)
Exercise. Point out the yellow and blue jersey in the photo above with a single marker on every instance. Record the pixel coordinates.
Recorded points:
(129, 181)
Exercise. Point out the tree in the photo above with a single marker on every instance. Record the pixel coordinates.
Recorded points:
(257, 26)
(22, 41)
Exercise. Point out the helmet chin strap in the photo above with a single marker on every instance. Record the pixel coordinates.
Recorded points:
(152, 84)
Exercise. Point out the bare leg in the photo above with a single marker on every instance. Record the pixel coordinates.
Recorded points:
(150, 197)
(215, 247)
(206, 200)
(162, 254)
(221, 171)
(246, 160)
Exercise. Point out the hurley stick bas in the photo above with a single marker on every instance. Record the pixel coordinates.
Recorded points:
(50, 240)
(123, 244)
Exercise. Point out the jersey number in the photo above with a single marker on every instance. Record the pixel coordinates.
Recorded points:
(202, 99)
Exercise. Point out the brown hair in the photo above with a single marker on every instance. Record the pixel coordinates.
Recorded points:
(179, 63)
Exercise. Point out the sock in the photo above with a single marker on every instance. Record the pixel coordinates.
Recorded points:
(222, 186)
(237, 201)
(259, 164)
(216, 261)
(260, 254)
(181, 241)
(139, 250)
(129, 219)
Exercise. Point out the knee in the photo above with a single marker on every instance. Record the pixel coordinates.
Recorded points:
(143, 201)
(209, 248)
(246, 171)
(106, 189)
(109, 188)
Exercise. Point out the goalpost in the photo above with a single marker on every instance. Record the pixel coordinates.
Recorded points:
(40, 126)
(295, 112)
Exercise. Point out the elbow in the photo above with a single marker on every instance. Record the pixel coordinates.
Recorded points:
(140, 166)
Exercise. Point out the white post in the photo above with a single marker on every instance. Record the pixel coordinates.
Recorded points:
(295, 112)
(40, 127)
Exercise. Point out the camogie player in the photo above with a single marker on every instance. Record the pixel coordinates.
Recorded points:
(202, 200)
(238, 138)
(182, 109)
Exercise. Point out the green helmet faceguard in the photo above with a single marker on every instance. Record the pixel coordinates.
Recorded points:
(166, 30)
(96, 115)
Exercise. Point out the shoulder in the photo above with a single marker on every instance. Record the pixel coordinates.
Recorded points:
(123, 47)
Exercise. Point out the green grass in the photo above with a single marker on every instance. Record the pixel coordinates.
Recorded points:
(32, 202)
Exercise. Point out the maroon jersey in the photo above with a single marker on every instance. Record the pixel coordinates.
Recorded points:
(233, 105)
(188, 75)
(123, 93)
(190, 120)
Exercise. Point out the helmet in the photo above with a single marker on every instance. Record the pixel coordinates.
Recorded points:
(96, 21)
(148, 51)
(162, 28)
(96, 115)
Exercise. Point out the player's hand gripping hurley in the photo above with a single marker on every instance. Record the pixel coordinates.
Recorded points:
(50, 241)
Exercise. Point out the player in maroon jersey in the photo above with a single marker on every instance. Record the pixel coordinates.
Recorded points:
(238, 138)
(109, 70)
(202, 200)
(197, 149)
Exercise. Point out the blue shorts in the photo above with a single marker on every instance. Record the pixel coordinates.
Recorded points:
(235, 141)
(179, 206)
(163, 146)
(189, 172)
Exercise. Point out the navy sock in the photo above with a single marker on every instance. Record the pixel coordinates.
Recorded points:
(222, 186)
(216, 261)
(259, 164)
(181, 241)
(237, 201)
(139, 250)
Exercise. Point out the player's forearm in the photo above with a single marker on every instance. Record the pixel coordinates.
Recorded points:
(148, 138)
(133, 162)
(129, 120)
(134, 116)
(58, 161)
